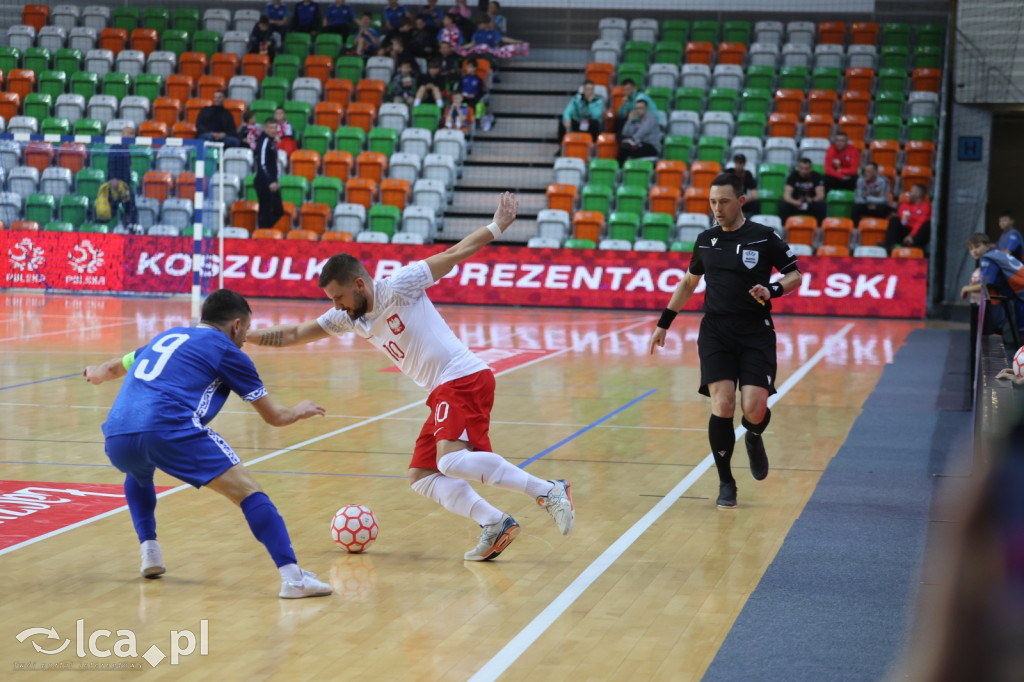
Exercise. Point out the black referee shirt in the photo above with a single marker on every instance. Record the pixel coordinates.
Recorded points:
(733, 262)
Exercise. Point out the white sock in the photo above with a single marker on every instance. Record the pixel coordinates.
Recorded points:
(291, 572)
(492, 469)
(458, 497)
(416, 102)
(439, 102)
(150, 545)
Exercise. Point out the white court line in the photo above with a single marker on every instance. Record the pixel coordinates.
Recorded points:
(65, 331)
(310, 441)
(535, 628)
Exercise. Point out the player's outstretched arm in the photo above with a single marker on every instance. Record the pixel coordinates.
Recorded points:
(114, 368)
(442, 263)
(1007, 373)
(287, 334)
(276, 414)
(684, 290)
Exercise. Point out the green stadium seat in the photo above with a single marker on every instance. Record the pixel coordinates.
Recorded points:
(636, 52)
(892, 79)
(60, 226)
(770, 200)
(930, 35)
(349, 67)
(383, 140)
(681, 247)
(275, 89)
(426, 116)
(287, 66)
(887, 127)
(839, 203)
(40, 208)
(756, 101)
(328, 45)
(141, 158)
(630, 200)
(55, 126)
(657, 226)
(176, 41)
(668, 52)
(262, 109)
(10, 58)
(596, 198)
(149, 85)
(386, 219)
(677, 148)
(249, 187)
(294, 189)
(95, 228)
(772, 176)
(156, 18)
(750, 124)
(624, 225)
(635, 72)
(712, 149)
(37, 105)
(896, 33)
(207, 42)
(185, 19)
(74, 208)
(117, 84)
(297, 113)
(689, 99)
(37, 59)
(126, 18)
(894, 57)
(921, 128)
(579, 244)
(925, 57)
(604, 172)
(328, 191)
(660, 96)
(297, 44)
(85, 83)
(88, 126)
(676, 31)
(722, 99)
(761, 76)
(317, 138)
(68, 60)
(736, 32)
(794, 78)
(637, 173)
(889, 103)
(350, 139)
(53, 83)
(827, 78)
(705, 32)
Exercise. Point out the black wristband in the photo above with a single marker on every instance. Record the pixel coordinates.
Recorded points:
(665, 321)
(776, 289)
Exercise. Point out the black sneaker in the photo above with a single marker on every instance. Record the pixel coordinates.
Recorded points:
(758, 457)
(726, 496)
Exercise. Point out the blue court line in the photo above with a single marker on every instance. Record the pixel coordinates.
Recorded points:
(40, 381)
(634, 401)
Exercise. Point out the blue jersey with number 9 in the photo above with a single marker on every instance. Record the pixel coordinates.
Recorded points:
(180, 380)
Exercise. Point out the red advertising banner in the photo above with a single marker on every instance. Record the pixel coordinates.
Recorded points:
(29, 509)
(498, 275)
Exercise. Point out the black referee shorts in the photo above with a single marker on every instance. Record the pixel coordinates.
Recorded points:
(737, 348)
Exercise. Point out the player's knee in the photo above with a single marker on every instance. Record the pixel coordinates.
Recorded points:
(419, 474)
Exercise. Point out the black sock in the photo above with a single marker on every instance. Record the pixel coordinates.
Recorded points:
(722, 438)
(757, 429)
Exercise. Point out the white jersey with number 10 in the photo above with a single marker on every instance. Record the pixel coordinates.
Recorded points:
(406, 326)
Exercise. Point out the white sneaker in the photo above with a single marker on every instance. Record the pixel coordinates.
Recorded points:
(152, 560)
(494, 539)
(558, 504)
(309, 586)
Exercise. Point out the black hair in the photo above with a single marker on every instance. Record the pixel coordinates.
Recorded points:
(730, 180)
(223, 306)
(629, 81)
(343, 269)
(1006, 214)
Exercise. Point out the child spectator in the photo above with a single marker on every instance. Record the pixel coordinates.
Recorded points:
(249, 132)
(450, 33)
(404, 84)
(498, 20)
(451, 70)
(431, 85)
(367, 42)
(339, 19)
(457, 117)
(488, 40)
(262, 39)
(471, 86)
(285, 138)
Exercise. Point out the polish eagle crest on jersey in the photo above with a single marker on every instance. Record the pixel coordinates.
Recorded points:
(750, 258)
(396, 325)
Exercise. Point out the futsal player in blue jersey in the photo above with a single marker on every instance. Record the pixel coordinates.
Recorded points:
(174, 387)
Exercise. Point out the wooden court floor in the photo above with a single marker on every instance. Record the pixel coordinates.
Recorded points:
(646, 587)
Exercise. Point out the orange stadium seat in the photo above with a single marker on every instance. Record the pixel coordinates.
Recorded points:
(588, 225)
(818, 125)
(153, 129)
(864, 33)
(789, 101)
(237, 107)
(184, 130)
(303, 235)
(193, 64)
(576, 145)
(856, 102)
(732, 53)
(337, 236)
(193, 107)
(919, 153)
(306, 163)
(244, 214)
(562, 197)
(209, 85)
(371, 91)
(185, 185)
(145, 40)
(25, 225)
(836, 231)
(600, 73)
(664, 200)
(10, 103)
(670, 173)
(702, 173)
(855, 127)
(256, 65)
(801, 229)
(330, 114)
(832, 32)
(372, 165)
(338, 164)
(319, 67)
(699, 53)
(339, 91)
(394, 192)
(291, 213)
(21, 82)
(782, 125)
(907, 252)
(695, 200)
(113, 39)
(360, 191)
(35, 16)
(267, 233)
(889, 172)
(157, 185)
(607, 146)
(315, 217)
(834, 250)
(39, 155)
(180, 87)
(224, 65)
(913, 175)
(617, 96)
(927, 80)
(871, 231)
(821, 102)
(860, 78)
(361, 115)
(72, 155)
(884, 152)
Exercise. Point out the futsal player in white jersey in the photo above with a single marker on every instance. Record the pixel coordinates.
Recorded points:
(395, 315)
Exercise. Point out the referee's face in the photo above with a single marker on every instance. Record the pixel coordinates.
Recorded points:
(727, 207)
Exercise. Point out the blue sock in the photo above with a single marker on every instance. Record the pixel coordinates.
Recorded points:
(268, 527)
(142, 506)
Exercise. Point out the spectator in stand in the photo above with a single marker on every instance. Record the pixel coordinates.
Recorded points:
(842, 163)
(114, 202)
(871, 198)
(119, 168)
(422, 39)
(804, 193)
(486, 39)
(268, 187)
(249, 132)
(912, 224)
(404, 85)
(393, 15)
(216, 124)
(279, 17)
(450, 33)
(583, 113)
(472, 86)
(451, 68)
(630, 96)
(457, 116)
(460, 9)
(752, 206)
(119, 161)
(433, 14)
(641, 136)
(339, 19)
(493, 9)
(1001, 274)
(306, 18)
(1010, 240)
(399, 54)
(263, 39)
(367, 41)
(431, 85)
(284, 136)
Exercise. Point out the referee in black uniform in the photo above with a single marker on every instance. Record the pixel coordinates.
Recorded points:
(267, 185)
(736, 343)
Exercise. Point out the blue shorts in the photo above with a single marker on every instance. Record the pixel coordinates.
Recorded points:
(196, 456)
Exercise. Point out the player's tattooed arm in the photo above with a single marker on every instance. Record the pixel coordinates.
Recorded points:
(271, 337)
(287, 334)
